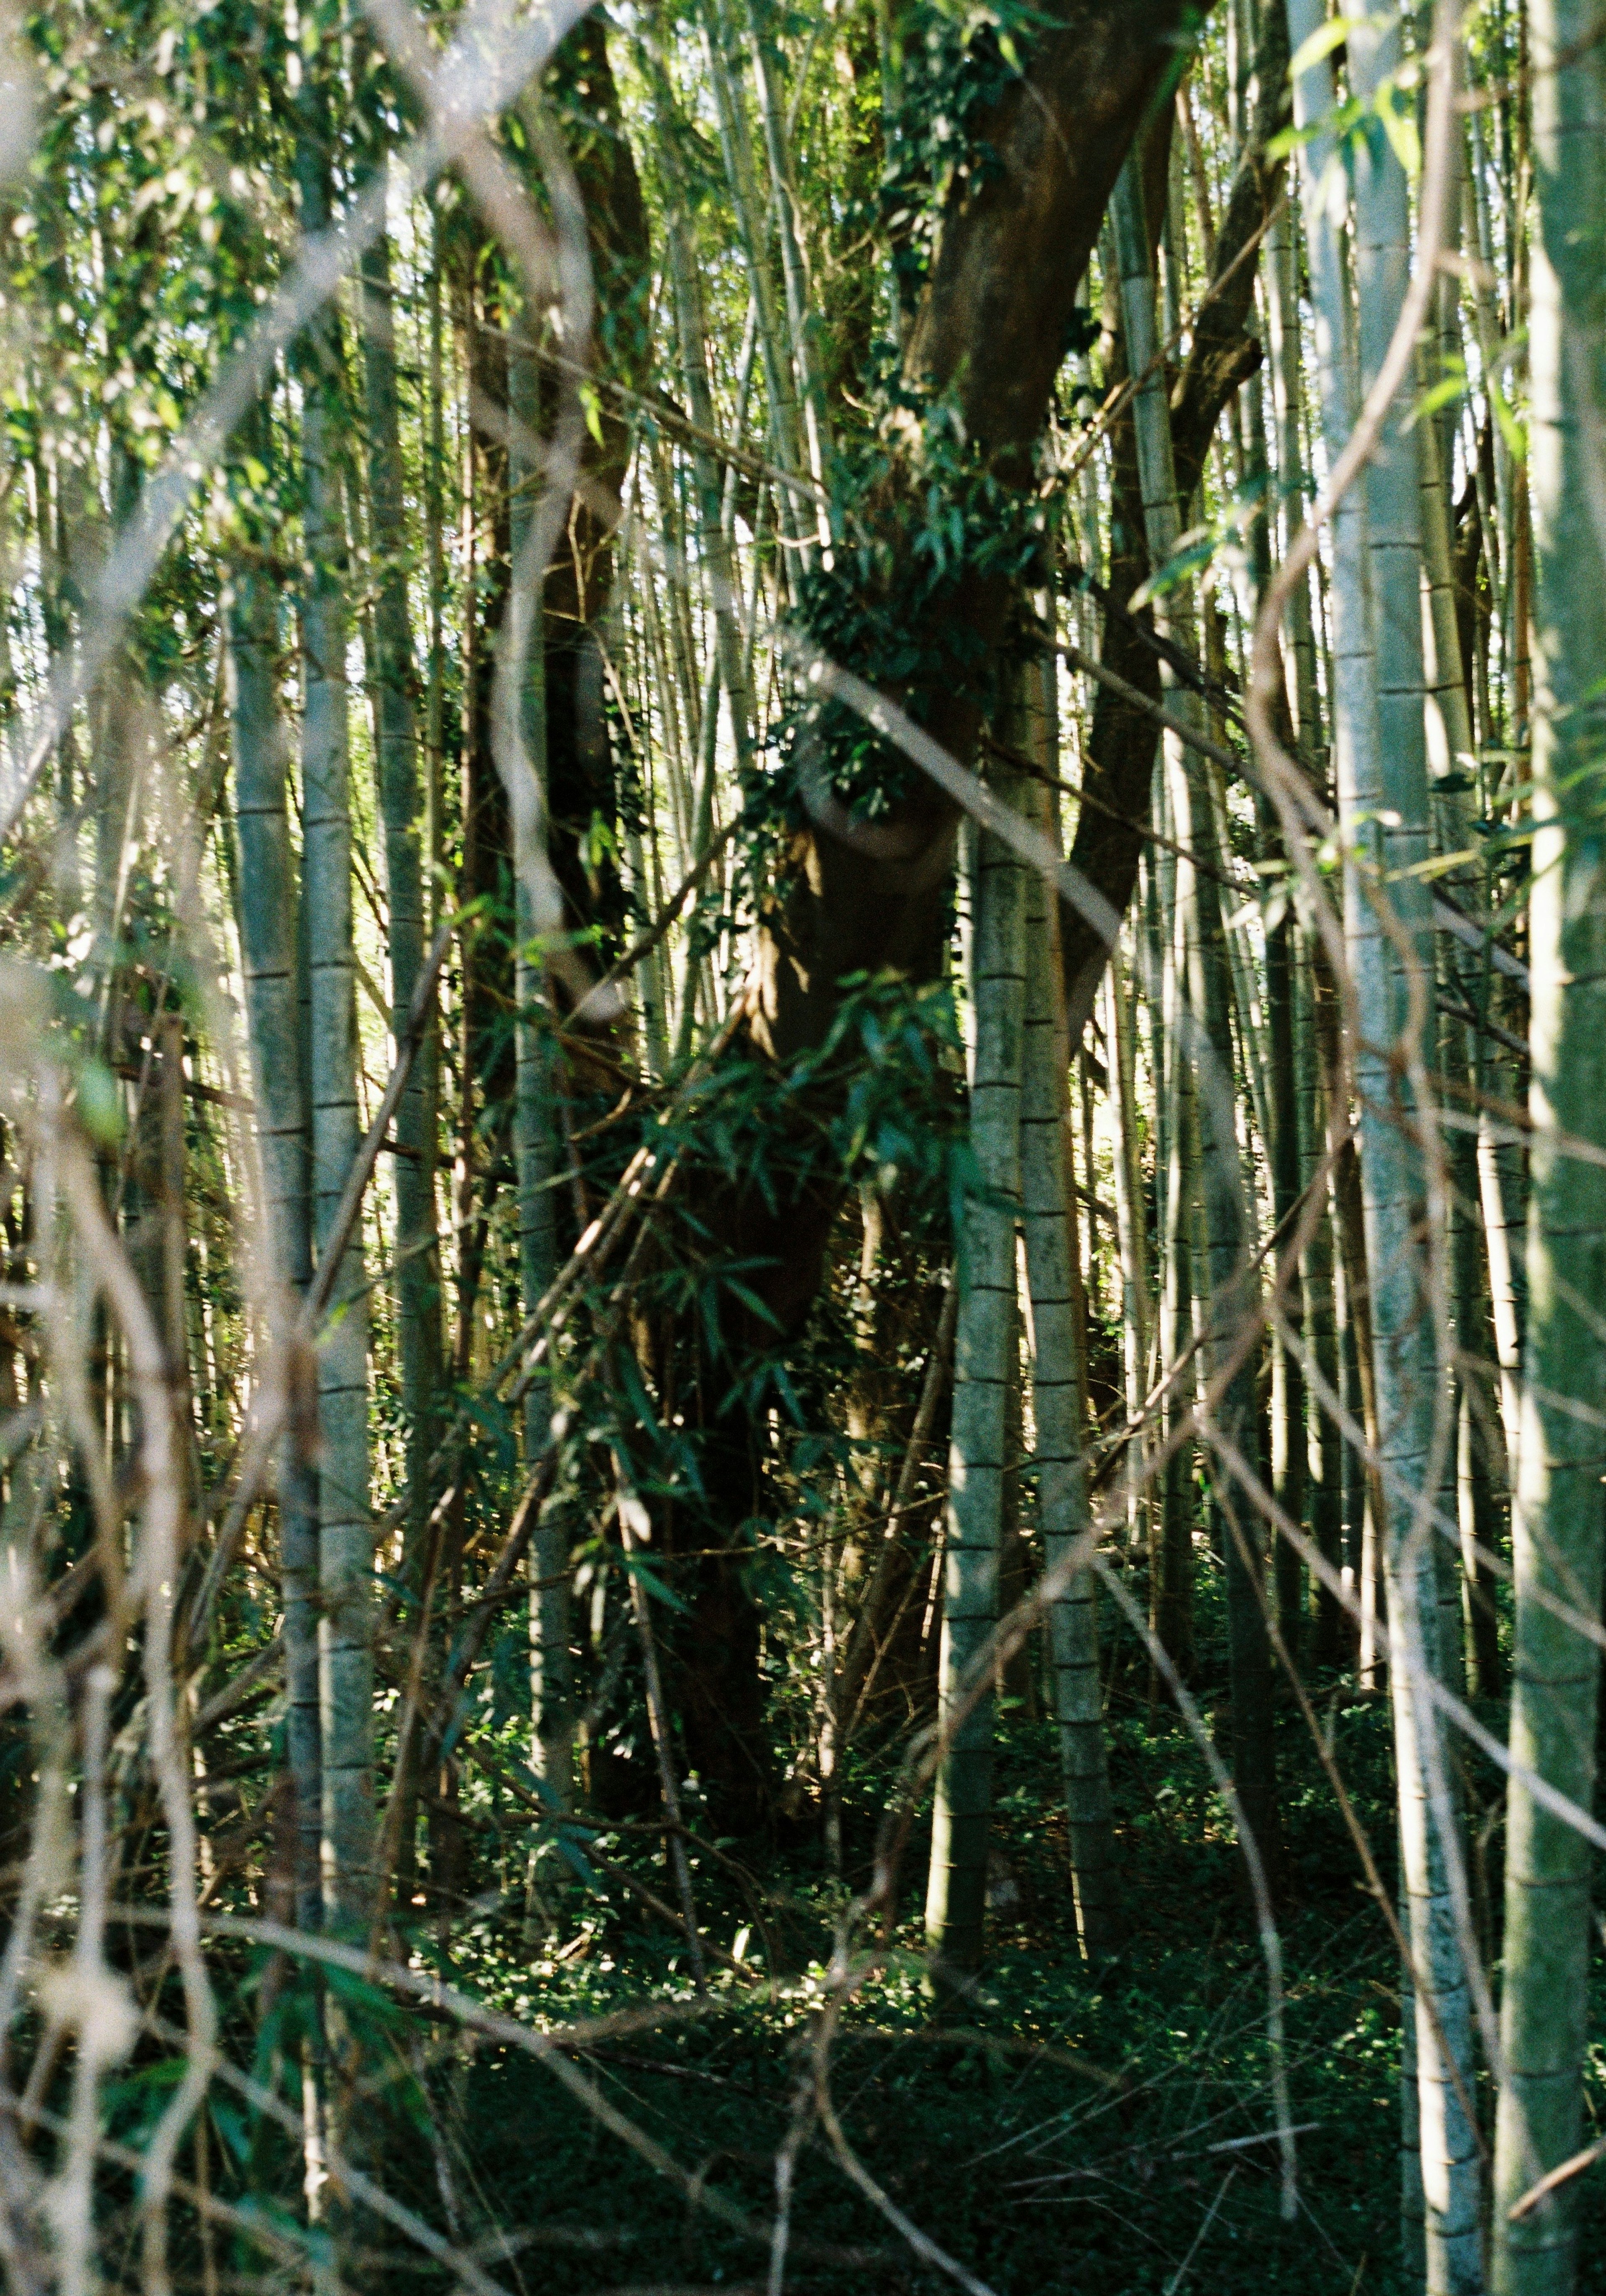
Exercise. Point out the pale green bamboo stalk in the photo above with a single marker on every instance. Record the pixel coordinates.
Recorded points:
(1352, 702)
(956, 1888)
(728, 668)
(678, 609)
(1449, 724)
(1452, 755)
(1229, 1298)
(713, 536)
(346, 1533)
(1324, 1450)
(1498, 1192)
(735, 146)
(1177, 1163)
(1410, 1381)
(811, 396)
(676, 778)
(1557, 1518)
(268, 962)
(1073, 1625)
(396, 747)
(1384, 806)
(537, 1085)
(1486, 322)
(1283, 344)
(1276, 1081)
(1130, 1224)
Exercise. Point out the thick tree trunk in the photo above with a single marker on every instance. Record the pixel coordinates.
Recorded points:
(1058, 137)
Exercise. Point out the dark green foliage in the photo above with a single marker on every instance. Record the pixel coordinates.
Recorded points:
(950, 60)
(921, 515)
(1054, 2135)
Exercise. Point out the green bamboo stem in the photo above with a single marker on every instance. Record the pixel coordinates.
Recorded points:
(346, 1535)
(1132, 1238)
(1278, 1084)
(537, 1148)
(1177, 1165)
(956, 1888)
(1056, 1404)
(1384, 806)
(1206, 965)
(1557, 1517)
(1284, 349)
(714, 539)
(1324, 1451)
(786, 436)
(396, 748)
(777, 141)
(268, 962)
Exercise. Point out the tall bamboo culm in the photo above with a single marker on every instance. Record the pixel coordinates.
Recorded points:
(345, 1528)
(1557, 1518)
(396, 748)
(273, 999)
(1381, 746)
(956, 1889)
(1205, 1009)
(535, 1133)
(1073, 1622)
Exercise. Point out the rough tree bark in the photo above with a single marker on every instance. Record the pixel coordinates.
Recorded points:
(991, 330)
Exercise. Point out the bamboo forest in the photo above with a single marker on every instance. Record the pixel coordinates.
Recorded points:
(802, 1147)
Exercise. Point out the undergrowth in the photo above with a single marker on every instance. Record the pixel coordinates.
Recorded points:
(1113, 2137)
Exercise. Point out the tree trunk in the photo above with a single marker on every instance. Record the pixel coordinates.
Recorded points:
(1058, 137)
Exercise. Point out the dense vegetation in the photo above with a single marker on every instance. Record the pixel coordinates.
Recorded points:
(803, 1090)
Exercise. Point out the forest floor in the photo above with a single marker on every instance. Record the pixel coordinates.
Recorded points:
(1055, 2134)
